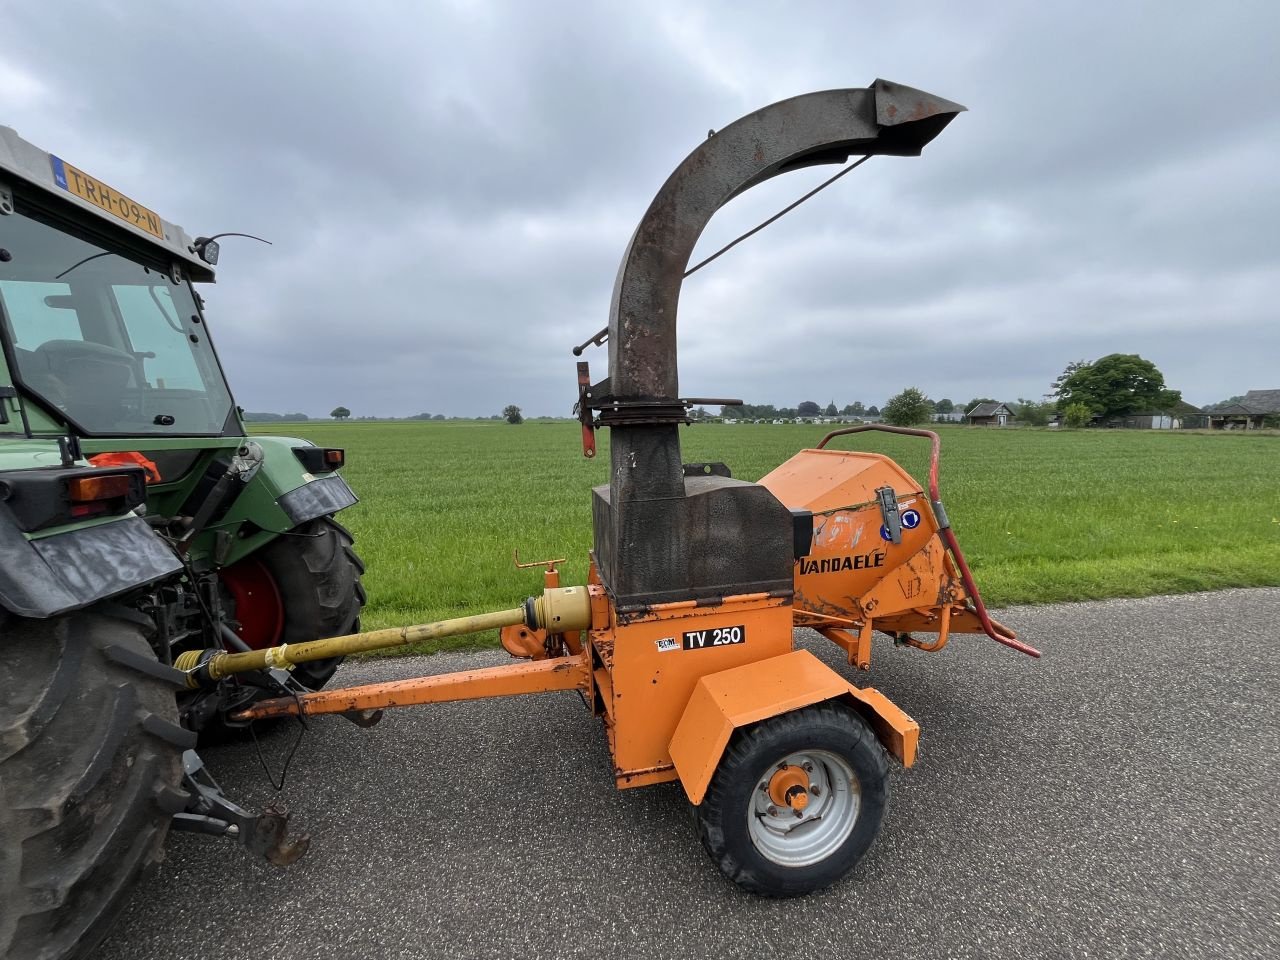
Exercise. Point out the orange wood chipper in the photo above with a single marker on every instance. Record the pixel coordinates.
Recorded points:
(682, 639)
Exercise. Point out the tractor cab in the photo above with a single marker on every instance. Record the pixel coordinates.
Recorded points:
(102, 330)
(105, 337)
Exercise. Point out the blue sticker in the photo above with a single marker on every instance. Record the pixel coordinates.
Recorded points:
(59, 172)
(910, 519)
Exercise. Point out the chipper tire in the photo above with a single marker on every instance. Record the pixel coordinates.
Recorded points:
(779, 854)
(315, 572)
(90, 774)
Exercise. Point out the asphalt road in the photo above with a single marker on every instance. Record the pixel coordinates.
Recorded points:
(1117, 798)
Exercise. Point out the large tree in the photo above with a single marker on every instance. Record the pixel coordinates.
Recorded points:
(512, 413)
(831, 409)
(944, 406)
(808, 408)
(855, 409)
(1055, 391)
(340, 413)
(1118, 384)
(908, 408)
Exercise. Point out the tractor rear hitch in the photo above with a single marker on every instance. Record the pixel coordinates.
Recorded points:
(210, 812)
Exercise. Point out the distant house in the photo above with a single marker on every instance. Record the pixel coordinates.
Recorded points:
(1249, 414)
(991, 415)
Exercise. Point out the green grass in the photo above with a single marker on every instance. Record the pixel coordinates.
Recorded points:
(1042, 515)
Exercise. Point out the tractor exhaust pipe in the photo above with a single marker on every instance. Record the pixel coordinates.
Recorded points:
(558, 610)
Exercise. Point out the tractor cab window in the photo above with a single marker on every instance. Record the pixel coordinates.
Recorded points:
(111, 342)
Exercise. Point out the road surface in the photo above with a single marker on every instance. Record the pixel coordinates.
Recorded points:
(1118, 798)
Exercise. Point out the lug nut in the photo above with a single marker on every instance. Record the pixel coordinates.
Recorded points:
(233, 830)
(772, 811)
(808, 767)
(815, 789)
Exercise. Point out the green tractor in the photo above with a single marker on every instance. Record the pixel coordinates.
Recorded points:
(137, 521)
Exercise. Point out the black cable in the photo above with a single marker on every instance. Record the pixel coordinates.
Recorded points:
(302, 732)
(603, 335)
(781, 213)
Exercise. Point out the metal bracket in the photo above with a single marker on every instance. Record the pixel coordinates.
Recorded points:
(889, 513)
(209, 811)
(583, 409)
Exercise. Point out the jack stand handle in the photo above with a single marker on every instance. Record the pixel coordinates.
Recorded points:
(549, 564)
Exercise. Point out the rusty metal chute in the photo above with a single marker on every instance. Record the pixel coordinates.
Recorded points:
(651, 543)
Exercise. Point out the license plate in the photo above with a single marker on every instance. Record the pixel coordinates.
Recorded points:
(714, 637)
(74, 180)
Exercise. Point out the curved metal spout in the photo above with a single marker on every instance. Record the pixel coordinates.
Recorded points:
(649, 543)
(824, 127)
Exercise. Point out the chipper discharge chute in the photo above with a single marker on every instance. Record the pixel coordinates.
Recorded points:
(682, 640)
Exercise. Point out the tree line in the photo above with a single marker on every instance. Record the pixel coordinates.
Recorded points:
(1119, 384)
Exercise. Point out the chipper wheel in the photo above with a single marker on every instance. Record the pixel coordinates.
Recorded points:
(304, 585)
(796, 801)
(90, 773)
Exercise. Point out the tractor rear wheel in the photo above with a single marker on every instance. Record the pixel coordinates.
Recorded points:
(304, 585)
(90, 774)
(796, 801)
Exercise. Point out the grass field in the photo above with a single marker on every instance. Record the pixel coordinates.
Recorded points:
(1042, 515)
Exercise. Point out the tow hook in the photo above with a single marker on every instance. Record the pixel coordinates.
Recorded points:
(210, 812)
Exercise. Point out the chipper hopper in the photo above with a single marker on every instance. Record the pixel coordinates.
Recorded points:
(682, 640)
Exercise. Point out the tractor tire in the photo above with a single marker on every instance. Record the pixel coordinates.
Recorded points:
(772, 849)
(304, 585)
(90, 774)
(316, 571)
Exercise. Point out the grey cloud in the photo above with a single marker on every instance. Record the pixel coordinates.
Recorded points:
(450, 185)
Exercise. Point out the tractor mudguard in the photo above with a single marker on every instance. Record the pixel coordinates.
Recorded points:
(722, 702)
(66, 571)
(283, 494)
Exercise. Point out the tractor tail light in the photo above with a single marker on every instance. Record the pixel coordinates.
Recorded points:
(52, 496)
(99, 494)
(90, 489)
(321, 459)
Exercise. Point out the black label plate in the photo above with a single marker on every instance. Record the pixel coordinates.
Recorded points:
(713, 637)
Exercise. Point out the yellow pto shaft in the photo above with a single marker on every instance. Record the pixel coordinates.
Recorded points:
(557, 610)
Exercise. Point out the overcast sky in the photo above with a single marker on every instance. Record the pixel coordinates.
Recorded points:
(450, 186)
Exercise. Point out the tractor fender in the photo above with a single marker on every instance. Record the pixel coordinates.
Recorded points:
(723, 702)
(73, 568)
(282, 494)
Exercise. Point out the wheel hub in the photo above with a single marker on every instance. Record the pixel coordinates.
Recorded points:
(789, 787)
(805, 806)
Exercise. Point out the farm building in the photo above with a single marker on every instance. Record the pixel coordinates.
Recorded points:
(1183, 415)
(1249, 414)
(991, 415)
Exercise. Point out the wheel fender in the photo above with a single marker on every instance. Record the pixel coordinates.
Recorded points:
(283, 495)
(723, 702)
